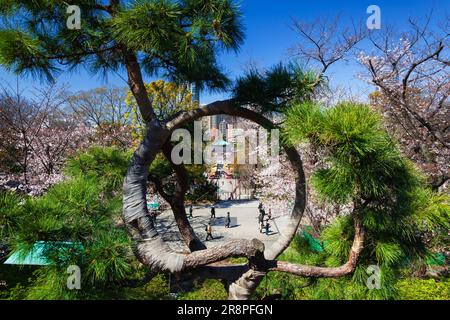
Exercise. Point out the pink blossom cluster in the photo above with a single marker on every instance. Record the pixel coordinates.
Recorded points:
(50, 147)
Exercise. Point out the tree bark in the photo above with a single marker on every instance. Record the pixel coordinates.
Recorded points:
(137, 86)
(327, 272)
(159, 256)
(135, 183)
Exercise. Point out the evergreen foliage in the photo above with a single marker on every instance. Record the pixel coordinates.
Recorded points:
(84, 210)
(180, 38)
(277, 88)
(364, 167)
(277, 285)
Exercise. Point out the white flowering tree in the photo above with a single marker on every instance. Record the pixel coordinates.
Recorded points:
(412, 74)
(38, 137)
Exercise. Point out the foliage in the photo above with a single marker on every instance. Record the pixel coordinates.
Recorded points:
(38, 134)
(277, 88)
(209, 290)
(365, 170)
(285, 286)
(167, 98)
(201, 188)
(181, 37)
(423, 289)
(106, 165)
(155, 289)
(84, 210)
(9, 214)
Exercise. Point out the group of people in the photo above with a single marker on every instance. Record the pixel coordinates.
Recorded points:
(208, 228)
(264, 219)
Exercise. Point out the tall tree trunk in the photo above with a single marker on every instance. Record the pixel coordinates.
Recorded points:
(137, 86)
(177, 203)
(135, 183)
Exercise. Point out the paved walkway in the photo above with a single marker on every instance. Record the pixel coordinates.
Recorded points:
(244, 217)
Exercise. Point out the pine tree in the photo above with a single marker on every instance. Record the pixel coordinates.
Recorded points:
(366, 171)
(181, 39)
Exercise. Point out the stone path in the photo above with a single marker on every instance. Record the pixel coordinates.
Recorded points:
(244, 216)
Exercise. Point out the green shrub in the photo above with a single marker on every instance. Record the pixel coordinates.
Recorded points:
(107, 166)
(10, 214)
(364, 169)
(71, 210)
(208, 290)
(155, 289)
(423, 289)
(79, 221)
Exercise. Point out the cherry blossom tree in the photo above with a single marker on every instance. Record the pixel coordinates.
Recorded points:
(39, 136)
(412, 76)
(105, 110)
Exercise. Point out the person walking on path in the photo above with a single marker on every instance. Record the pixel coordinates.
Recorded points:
(269, 215)
(191, 210)
(208, 230)
(153, 217)
(267, 226)
(261, 222)
(262, 213)
(213, 212)
(227, 225)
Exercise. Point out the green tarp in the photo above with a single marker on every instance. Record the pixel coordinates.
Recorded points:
(36, 256)
(313, 243)
(436, 259)
(153, 205)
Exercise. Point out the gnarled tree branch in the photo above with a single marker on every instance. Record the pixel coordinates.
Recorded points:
(327, 272)
(177, 203)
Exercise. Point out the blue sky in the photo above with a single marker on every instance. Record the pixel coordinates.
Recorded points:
(269, 36)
